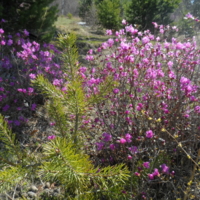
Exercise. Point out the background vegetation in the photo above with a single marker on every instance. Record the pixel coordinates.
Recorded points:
(123, 119)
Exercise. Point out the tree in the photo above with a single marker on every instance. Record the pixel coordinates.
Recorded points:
(108, 12)
(84, 7)
(37, 17)
(196, 8)
(144, 12)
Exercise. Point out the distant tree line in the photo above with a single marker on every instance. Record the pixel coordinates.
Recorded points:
(141, 12)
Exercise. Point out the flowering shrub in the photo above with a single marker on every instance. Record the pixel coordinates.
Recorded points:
(153, 113)
(21, 61)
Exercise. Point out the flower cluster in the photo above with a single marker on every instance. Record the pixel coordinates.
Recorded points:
(21, 61)
(157, 90)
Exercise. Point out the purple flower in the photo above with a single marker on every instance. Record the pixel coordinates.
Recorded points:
(6, 107)
(99, 145)
(128, 137)
(116, 91)
(112, 146)
(107, 137)
(51, 137)
(149, 134)
(10, 42)
(133, 149)
(165, 169)
(146, 165)
(16, 123)
(56, 82)
(156, 172)
(33, 106)
(26, 33)
(197, 109)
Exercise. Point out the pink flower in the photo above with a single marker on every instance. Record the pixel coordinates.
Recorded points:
(52, 123)
(129, 157)
(165, 169)
(1, 31)
(26, 33)
(32, 76)
(146, 165)
(151, 176)
(116, 91)
(149, 134)
(189, 16)
(122, 140)
(156, 172)
(137, 173)
(145, 40)
(51, 137)
(128, 137)
(124, 22)
(170, 63)
(108, 32)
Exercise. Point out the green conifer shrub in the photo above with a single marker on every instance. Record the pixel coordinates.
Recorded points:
(37, 17)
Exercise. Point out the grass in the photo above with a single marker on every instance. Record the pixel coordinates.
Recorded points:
(85, 34)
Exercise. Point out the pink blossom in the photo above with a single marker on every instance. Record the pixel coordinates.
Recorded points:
(116, 91)
(146, 165)
(149, 134)
(108, 32)
(124, 22)
(1, 31)
(151, 176)
(122, 141)
(156, 172)
(128, 137)
(129, 157)
(51, 137)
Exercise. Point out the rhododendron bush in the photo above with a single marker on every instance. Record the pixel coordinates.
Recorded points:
(21, 61)
(153, 115)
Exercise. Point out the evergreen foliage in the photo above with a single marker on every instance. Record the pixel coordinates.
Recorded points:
(84, 8)
(108, 12)
(144, 12)
(62, 159)
(61, 162)
(37, 17)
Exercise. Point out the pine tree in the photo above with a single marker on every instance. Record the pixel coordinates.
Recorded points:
(62, 159)
(144, 12)
(36, 16)
(108, 12)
